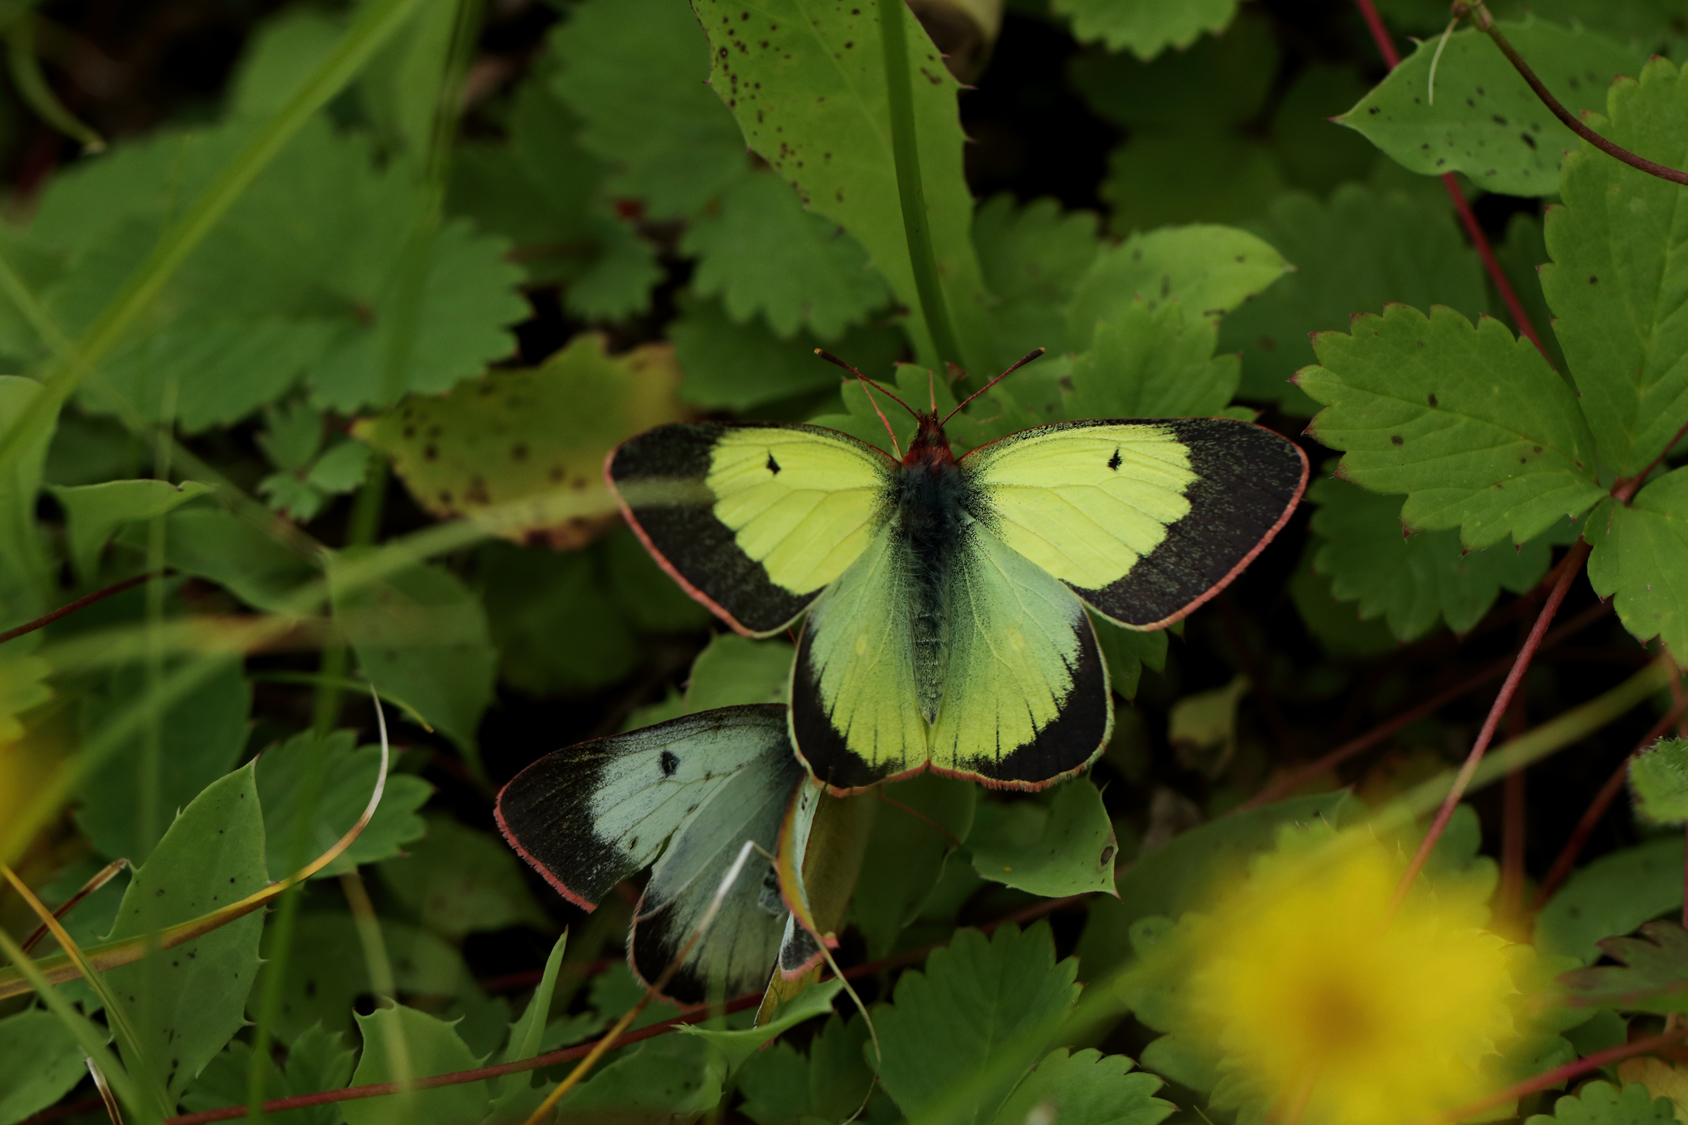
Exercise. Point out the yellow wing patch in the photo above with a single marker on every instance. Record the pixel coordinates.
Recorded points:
(801, 504)
(1085, 503)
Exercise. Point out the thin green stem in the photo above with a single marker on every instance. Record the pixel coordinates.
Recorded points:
(905, 151)
(32, 86)
(374, 25)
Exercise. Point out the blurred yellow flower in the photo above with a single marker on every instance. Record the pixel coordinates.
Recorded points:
(1341, 1014)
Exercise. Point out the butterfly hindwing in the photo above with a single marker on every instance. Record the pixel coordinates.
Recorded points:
(1145, 520)
(754, 519)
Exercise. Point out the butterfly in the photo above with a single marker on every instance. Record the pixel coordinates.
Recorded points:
(680, 797)
(946, 597)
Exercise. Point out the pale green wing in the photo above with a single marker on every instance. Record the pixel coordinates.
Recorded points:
(1145, 520)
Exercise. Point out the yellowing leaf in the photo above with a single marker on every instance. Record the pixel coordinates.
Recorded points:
(1662, 1081)
(530, 435)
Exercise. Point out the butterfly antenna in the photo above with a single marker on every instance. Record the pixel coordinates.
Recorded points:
(1019, 363)
(869, 386)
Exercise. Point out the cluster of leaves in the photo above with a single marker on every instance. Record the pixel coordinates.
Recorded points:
(317, 445)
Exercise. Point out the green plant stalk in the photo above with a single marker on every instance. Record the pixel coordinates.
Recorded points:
(905, 152)
(32, 85)
(374, 25)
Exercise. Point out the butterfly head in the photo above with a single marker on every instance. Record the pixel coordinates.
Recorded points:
(931, 446)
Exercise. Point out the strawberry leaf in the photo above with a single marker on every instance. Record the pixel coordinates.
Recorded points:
(1638, 553)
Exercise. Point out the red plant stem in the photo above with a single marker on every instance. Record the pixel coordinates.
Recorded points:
(1547, 1080)
(1568, 570)
(1479, 240)
(80, 603)
(1290, 782)
(1597, 808)
(70, 1109)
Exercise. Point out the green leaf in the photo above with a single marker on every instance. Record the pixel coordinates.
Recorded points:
(734, 669)
(1609, 896)
(1637, 559)
(738, 1047)
(280, 53)
(782, 1087)
(635, 72)
(1358, 253)
(1086, 1088)
(553, 623)
(1658, 780)
(321, 989)
(906, 854)
(1470, 423)
(1221, 79)
(190, 1000)
(1414, 581)
(515, 1096)
(216, 544)
(1208, 269)
(1033, 257)
(21, 688)
(763, 254)
(739, 366)
(1522, 255)
(964, 1013)
(616, 282)
(515, 435)
(1316, 154)
(429, 1047)
(1202, 726)
(1616, 278)
(1486, 121)
(95, 511)
(347, 784)
(200, 738)
(676, 1076)
(420, 636)
(40, 1062)
(1152, 364)
(316, 1061)
(806, 80)
(1336, 625)
(1196, 174)
(1144, 27)
(24, 579)
(1651, 974)
(1127, 652)
(459, 881)
(1601, 1103)
(1064, 848)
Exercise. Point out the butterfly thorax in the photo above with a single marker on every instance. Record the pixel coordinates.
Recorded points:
(933, 523)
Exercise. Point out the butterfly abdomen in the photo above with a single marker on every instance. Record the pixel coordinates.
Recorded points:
(933, 525)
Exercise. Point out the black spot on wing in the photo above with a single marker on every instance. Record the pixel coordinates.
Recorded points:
(773, 465)
(1248, 479)
(1115, 461)
(669, 763)
(699, 547)
(820, 745)
(1071, 740)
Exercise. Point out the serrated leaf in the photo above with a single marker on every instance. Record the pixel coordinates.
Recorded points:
(40, 1061)
(1611, 895)
(1601, 1103)
(732, 670)
(519, 434)
(1469, 422)
(674, 1077)
(420, 636)
(763, 254)
(906, 853)
(22, 686)
(1127, 652)
(217, 545)
(1195, 174)
(1032, 258)
(1086, 1088)
(316, 1061)
(1066, 847)
(1658, 780)
(200, 738)
(195, 993)
(347, 783)
(459, 881)
(1486, 121)
(1637, 559)
(1616, 282)
(636, 73)
(94, 512)
(1152, 363)
(1335, 624)
(515, 1096)
(1220, 80)
(739, 366)
(1358, 253)
(1144, 27)
(1651, 974)
(1412, 582)
(963, 1014)
(806, 81)
(431, 1047)
(616, 282)
(1522, 255)
(738, 1046)
(781, 1087)
(1208, 269)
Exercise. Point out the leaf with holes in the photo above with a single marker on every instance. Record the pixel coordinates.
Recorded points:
(1470, 422)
